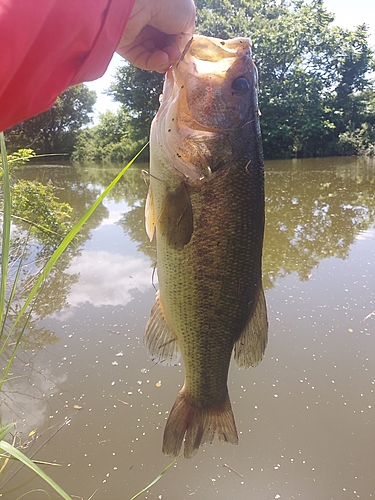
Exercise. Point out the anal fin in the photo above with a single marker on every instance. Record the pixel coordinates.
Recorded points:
(160, 341)
(249, 348)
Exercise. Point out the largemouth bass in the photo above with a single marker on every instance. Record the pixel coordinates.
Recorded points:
(206, 207)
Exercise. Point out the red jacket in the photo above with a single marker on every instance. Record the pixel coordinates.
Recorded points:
(48, 45)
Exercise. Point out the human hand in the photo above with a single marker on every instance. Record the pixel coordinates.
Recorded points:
(157, 32)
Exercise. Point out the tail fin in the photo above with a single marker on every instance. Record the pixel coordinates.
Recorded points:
(197, 425)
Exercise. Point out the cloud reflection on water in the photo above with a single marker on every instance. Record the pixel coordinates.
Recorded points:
(106, 279)
(24, 402)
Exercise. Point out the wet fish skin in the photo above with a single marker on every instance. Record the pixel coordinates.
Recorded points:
(206, 206)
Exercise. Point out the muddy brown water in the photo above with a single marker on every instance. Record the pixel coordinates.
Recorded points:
(85, 395)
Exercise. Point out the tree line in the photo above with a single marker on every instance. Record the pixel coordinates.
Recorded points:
(316, 95)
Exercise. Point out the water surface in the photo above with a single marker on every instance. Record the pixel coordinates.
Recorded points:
(305, 415)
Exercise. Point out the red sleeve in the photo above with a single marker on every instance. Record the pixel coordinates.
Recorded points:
(48, 45)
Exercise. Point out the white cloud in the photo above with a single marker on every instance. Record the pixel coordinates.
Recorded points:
(108, 278)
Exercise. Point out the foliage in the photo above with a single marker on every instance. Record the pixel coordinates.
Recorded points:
(314, 86)
(118, 136)
(114, 139)
(54, 131)
(37, 203)
(312, 74)
(21, 156)
(359, 141)
(18, 158)
(9, 449)
(138, 91)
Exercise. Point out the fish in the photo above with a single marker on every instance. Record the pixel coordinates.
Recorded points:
(205, 206)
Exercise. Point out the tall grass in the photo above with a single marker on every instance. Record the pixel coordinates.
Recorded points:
(8, 450)
(47, 268)
(5, 243)
(7, 330)
(11, 451)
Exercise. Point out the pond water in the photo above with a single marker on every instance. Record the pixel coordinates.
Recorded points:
(85, 395)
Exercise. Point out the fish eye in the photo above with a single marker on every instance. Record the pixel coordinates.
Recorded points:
(240, 86)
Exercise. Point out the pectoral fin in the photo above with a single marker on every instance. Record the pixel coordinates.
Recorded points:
(150, 214)
(250, 347)
(160, 341)
(176, 217)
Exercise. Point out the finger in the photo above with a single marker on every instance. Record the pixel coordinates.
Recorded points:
(138, 55)
(153, 50)
(181, 18)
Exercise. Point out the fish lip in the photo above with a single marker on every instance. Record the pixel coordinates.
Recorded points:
(233, 47)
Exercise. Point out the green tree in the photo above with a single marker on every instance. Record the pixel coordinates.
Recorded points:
(138, 91)
(114, 139)
(313, 77)
(309, 70)
(119, 136)
(54, 131)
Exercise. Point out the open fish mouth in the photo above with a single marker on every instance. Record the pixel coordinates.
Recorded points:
(207, 96)
(215, 76)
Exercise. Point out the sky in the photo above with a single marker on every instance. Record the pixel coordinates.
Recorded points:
(348, 14)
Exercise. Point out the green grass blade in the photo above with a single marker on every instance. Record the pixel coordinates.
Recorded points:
(4, 344)
(17, 454)
(5, 244)
(38, 226)
(156, 479)
(38, 462)
(5, 430)
(14, 352)
(26, 158)
(15, 280)
(68, 239)
(24, 495)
